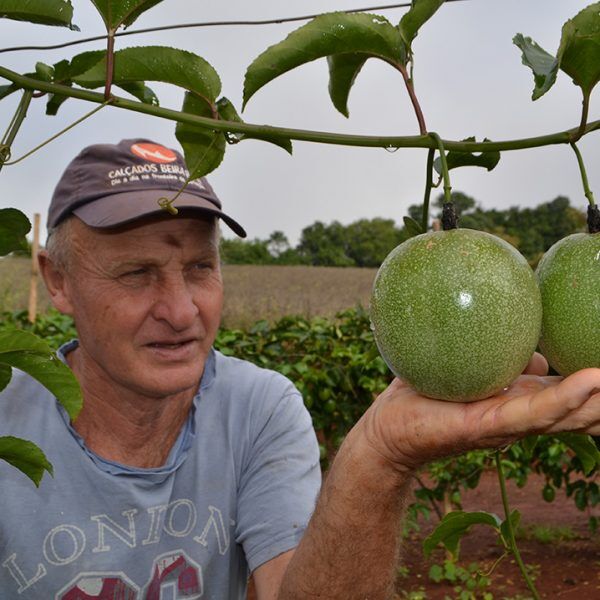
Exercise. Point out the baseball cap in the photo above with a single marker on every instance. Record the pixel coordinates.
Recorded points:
(107, 185)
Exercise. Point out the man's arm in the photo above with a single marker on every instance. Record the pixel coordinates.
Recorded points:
(350, 548)
(267, 578)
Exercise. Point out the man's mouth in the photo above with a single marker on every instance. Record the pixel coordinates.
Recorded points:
(170, 345)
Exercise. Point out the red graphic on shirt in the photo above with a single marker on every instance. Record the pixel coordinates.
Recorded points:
(154, 153)
(175, 569)
(112, 589)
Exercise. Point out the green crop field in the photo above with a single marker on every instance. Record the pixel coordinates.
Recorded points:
(252, 292)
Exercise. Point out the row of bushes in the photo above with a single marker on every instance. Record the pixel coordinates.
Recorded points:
(335, 365)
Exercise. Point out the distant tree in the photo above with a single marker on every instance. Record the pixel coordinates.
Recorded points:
(557, 219)
(369, 241)
(324, 245)
(242, 252)
(277, 244)
(291, 256)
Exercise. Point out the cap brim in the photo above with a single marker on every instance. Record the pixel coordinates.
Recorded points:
(120, 209)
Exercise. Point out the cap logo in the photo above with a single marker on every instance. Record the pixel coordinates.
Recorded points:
(154, 153)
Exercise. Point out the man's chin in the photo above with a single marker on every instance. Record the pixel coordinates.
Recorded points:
(162, 381)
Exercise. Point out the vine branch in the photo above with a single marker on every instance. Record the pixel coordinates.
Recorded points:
(14, 127)
(511, 534)
(428, 186)
(419, 141)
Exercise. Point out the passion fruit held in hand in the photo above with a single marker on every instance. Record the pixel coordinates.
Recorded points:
(457, 314)
(569, 279)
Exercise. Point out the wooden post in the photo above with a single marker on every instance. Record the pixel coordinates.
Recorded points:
(33, 282)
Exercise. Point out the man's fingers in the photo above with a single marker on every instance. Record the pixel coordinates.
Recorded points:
(580, 393)
(546, 404)
(537, 365)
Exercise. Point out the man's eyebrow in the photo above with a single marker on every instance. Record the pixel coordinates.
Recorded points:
(120, 263)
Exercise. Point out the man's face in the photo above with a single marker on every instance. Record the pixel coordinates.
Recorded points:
(146, 302)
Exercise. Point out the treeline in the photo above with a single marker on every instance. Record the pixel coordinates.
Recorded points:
(365, 243)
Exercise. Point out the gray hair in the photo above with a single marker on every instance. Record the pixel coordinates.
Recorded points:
(57, 243)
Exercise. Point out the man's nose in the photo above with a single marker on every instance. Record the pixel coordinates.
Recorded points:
(175, 302)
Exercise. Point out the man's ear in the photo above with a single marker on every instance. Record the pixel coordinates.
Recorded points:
(56, 283)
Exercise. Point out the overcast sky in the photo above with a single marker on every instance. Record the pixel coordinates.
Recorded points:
(469, 79)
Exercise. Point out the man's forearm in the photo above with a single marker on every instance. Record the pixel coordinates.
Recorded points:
(350, 548)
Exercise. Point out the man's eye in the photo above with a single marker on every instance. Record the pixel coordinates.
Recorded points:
(134, 274)
(202, 267)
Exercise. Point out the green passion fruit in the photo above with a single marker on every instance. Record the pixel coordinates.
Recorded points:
(457, 314)
(569, 280)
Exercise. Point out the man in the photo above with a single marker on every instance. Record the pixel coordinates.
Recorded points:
(185, 469)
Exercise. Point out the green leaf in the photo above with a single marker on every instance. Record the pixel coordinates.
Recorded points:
(141, 91)
(63, 73)
(579, 51)
(55, 101)
(7, 90)
(153, 63)
(14, 226)
(412, 226)
(529, 443)
(122, 12)
(455, 159)
(436, 573)
(343, 70)
(203, 148)
(420, 12)
(80, 64)
(326, 35)
(18, 340)
(29, 353)
(543, 64)
(44, 72)
(227, 112)
(43, 12)
(5, 376)
(25, 456)
(453, 526)
(584, 447)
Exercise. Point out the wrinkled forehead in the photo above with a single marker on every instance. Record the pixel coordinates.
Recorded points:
(151, 234)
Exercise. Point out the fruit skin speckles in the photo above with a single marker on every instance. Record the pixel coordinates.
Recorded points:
(457, 314)
(569, 279)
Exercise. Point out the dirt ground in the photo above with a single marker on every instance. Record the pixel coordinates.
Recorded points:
(568, 569)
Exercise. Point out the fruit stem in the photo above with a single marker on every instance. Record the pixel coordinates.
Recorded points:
(586, 186)
(449, 218)
(511, 533)
(593, 219)
(428, 186)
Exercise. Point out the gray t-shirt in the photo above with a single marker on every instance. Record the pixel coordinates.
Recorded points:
(237, 490)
